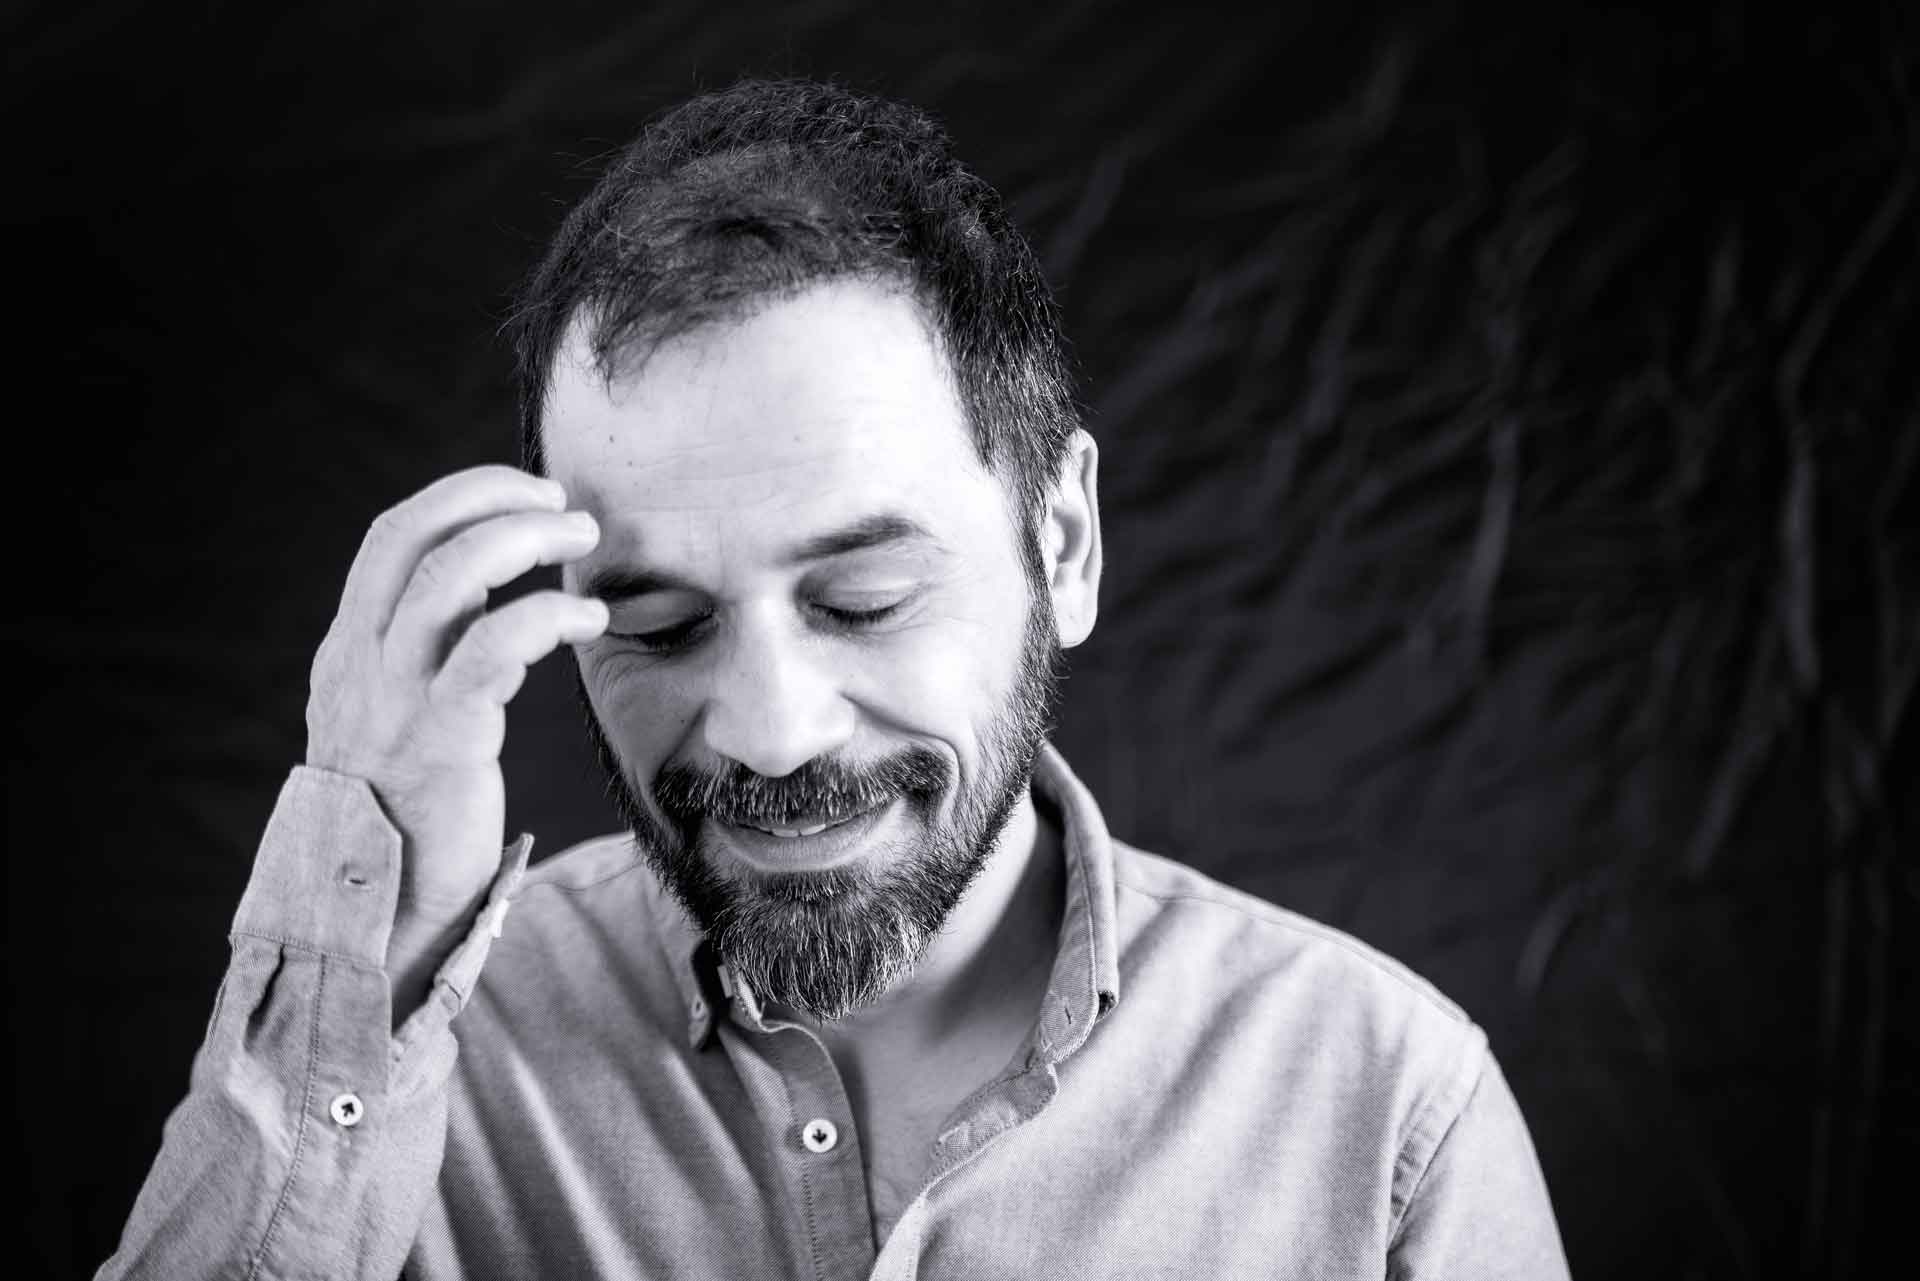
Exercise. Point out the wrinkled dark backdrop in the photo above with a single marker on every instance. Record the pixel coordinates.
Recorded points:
(1508, 429)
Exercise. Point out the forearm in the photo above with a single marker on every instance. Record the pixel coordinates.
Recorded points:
(305, 1144)
(418, 950)
(312, 1132)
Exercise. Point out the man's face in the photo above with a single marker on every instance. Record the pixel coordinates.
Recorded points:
(760, 487)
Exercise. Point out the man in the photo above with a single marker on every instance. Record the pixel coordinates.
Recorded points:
(868, 989)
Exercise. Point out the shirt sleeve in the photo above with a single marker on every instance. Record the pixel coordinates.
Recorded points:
(1479, 1208)
(312, 1131)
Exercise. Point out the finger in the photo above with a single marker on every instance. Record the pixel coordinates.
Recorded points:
(402, 534)
(492, 657)
(451, 582)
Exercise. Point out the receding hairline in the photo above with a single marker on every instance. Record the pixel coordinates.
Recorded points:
(624, 365)
(612, 360)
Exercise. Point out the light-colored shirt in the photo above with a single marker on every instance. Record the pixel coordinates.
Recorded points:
(1212, 1087)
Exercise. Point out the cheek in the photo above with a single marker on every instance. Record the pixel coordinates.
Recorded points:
(942, 681)
(641, 709)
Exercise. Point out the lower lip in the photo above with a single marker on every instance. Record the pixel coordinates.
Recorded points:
(822, 850)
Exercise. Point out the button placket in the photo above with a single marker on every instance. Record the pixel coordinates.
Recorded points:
(809, 1104)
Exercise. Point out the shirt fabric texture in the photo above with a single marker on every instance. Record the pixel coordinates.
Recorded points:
(1212, 1087)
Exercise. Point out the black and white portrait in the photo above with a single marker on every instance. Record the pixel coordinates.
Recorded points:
(843, 641)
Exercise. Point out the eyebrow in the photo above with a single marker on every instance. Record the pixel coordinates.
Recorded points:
(613, 583)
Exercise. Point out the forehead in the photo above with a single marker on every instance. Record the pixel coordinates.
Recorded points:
(813, 408)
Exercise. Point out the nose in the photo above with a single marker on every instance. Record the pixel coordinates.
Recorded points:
(776, 701)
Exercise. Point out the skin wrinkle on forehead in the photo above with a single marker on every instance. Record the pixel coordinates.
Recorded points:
(775, 478)
(704, 487)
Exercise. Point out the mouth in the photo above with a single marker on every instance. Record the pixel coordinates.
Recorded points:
(790, 832)
(812, 847)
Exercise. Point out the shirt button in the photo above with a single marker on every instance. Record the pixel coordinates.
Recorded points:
(819, 1135)
(347, 1109)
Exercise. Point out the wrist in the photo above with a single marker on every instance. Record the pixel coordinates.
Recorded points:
(416, 931)
(418, 946)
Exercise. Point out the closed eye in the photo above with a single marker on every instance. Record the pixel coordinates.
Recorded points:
(860, 617)
(669, 640)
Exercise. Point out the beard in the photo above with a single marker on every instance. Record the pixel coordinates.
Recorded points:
(829, 942)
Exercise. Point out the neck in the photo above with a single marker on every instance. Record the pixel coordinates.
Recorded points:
(1000, 940)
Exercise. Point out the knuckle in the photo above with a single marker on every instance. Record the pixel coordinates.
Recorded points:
(384, 536)
(434, 571)
(487, 656)
(502, 636)
(328, 658)
(487, 636)
(453, 684)
(510, 681)
(323, 658)
(388, 526)
(474, 659)
(497, 472)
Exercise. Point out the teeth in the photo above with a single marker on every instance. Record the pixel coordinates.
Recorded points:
(799, 831)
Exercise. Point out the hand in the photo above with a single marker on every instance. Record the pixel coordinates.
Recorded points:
(411, 684)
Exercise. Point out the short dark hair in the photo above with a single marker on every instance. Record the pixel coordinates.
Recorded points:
(760, 190)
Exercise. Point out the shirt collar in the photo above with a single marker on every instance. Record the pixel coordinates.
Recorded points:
(1085, 981)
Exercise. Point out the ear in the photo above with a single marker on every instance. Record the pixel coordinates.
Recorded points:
(1070, 540)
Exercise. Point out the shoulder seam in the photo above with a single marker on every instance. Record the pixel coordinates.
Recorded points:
(1480, 1056)
(1273, 914)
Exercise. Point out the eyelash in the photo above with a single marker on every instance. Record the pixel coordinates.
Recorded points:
(669, 640)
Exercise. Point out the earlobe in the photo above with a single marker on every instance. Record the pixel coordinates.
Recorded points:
(1073, 541)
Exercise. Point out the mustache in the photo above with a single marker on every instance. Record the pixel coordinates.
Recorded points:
(822, 790)
(738, 795)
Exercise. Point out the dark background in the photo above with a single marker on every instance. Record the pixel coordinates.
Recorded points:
(1509, 439)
